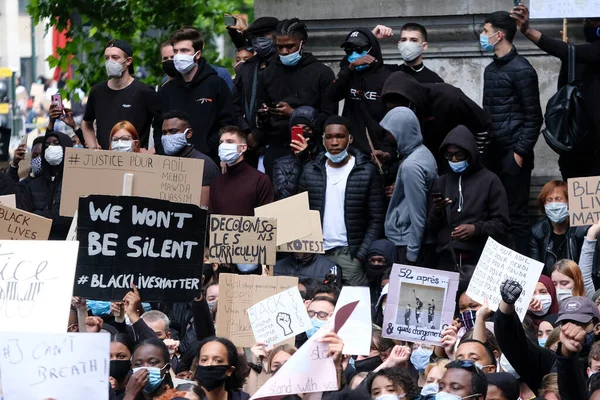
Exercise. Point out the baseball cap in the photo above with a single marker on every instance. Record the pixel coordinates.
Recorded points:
(578, 309)
(356, 38)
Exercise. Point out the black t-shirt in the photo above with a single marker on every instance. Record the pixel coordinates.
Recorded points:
(138, 103)
(558, 245)
(424, 75)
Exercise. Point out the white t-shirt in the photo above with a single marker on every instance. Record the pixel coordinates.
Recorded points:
(334, 224)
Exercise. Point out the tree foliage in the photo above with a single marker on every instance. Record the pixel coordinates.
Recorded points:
(145, 24)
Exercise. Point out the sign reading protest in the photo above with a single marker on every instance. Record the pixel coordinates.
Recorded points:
(36, 285)
(238, 293)
(497, 264)
(244, 240)
(420, 304)
(279, 317)
(155, 244)
(312, 243)
(564, 8)
(20, 225)
(584, 201)
(293, 217)
(69, 366)
(101, 172)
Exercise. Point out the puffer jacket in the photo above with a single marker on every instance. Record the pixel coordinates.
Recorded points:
(511, 97)
(364, 209)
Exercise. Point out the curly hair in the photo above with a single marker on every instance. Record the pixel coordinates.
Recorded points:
(399, 377)
(292, 27)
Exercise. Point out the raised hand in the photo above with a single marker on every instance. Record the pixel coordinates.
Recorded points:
(510, 291)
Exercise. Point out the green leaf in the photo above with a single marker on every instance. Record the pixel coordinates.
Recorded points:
(93, 31)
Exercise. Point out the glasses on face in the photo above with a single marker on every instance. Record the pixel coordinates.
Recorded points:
(358, 49)
(458, 155)
(322, 315)
(123, 138)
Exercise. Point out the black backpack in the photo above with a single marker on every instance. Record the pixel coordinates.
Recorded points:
(567, 122)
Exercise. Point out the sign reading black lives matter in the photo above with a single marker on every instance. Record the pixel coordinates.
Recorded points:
(420, 304)
(155, 244)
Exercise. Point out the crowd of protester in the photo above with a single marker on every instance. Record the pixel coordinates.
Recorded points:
(412, 172)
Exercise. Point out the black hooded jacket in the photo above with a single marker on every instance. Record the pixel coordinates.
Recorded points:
(440, 107)
(206, 99)
(314, 266)
(363, 104)
(484, 203)
(305, 84)
(386, 249)
(42, 194)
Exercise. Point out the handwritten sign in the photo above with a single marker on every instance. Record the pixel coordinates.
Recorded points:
(293, 217)
(245, 240)
(101, 172)
(420, 304)
(36, 285)
(20, 225)
(584, 201)
(279, 317)
(9, 200)
(69, 366)
(156, 244)
(498, 263)
(312, 243)
(238, 293)
(564, 8)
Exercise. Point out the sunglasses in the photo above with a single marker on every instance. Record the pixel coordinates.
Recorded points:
(350, 50)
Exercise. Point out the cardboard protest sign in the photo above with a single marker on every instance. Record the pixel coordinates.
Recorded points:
(564, 8)
(293, 217)
(584, 201)
(9, 200)
(356, 332)
(244, 240)
(279, 317)
(69, 366)
(101, 172)
(16, 224)
(36, 285)
(420, 304)
(238, 293)
(312, 243)
(155, 244)
(498, 263)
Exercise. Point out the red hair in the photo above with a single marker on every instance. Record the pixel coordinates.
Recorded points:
(128, 126)
(549, 188)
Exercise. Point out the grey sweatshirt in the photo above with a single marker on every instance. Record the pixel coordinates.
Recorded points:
(586, 263)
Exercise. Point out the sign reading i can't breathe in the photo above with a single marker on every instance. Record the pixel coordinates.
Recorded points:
(155, 244)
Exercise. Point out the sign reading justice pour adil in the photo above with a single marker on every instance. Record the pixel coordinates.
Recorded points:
(155, 244)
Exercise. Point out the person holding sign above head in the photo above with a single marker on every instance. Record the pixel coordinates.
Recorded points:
(176, 141)
(242, 188)
(124, 138)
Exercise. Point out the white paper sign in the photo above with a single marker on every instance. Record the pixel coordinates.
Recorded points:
(498, 263)
(356, 332)
(36, 285)
(564, 8)
(279, 317)
(65, 366)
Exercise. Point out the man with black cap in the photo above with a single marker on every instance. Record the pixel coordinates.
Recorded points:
(121, 98)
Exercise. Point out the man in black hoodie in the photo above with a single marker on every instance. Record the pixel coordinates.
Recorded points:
(472, 206)
(42, 194)
(198, 91)
(296, 78)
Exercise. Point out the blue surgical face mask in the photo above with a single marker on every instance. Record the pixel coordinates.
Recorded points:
(99, 308)
(390, 396)
(542, 341)
(557, 212)
(337, 158)
(292, 59)
(484, 41)
(459, 167)
(155, 378)
(429, 389)
(78, 146)
(355, 56)
(447, 396)
(420, 358)
(173, 144)
(316, 325)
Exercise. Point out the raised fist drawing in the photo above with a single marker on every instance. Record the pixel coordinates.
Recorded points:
(285, 322)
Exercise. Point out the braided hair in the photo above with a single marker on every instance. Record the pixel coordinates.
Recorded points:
(292, 27)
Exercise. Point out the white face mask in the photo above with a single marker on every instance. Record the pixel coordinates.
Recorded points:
(184, 63)
(563, 294)
(54, 155)
(410, 51)
(390, 396)
(114, 69)
(228, 153)
(125, 146)
(546, 301)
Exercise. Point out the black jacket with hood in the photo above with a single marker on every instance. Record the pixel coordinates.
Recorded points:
(305, 84)
(478, 198)
(42, 194)
(312, 266)
(361, 92)
(206, 99)
(440, 107)
(364, 209)
(386, 249)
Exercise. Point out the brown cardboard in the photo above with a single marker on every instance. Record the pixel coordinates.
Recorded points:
(243, 240)
(312, 243)
(237, 294)
(584, 201)
(16, 224)
(9, 200)
(101, 172)
(293, 217)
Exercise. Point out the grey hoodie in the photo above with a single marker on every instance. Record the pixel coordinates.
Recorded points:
(407, 212)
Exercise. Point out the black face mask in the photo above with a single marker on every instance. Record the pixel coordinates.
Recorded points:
(368, 364)
(119, 369)
(168, 68)
(591, 33)
(207, 272)
(211, 377)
